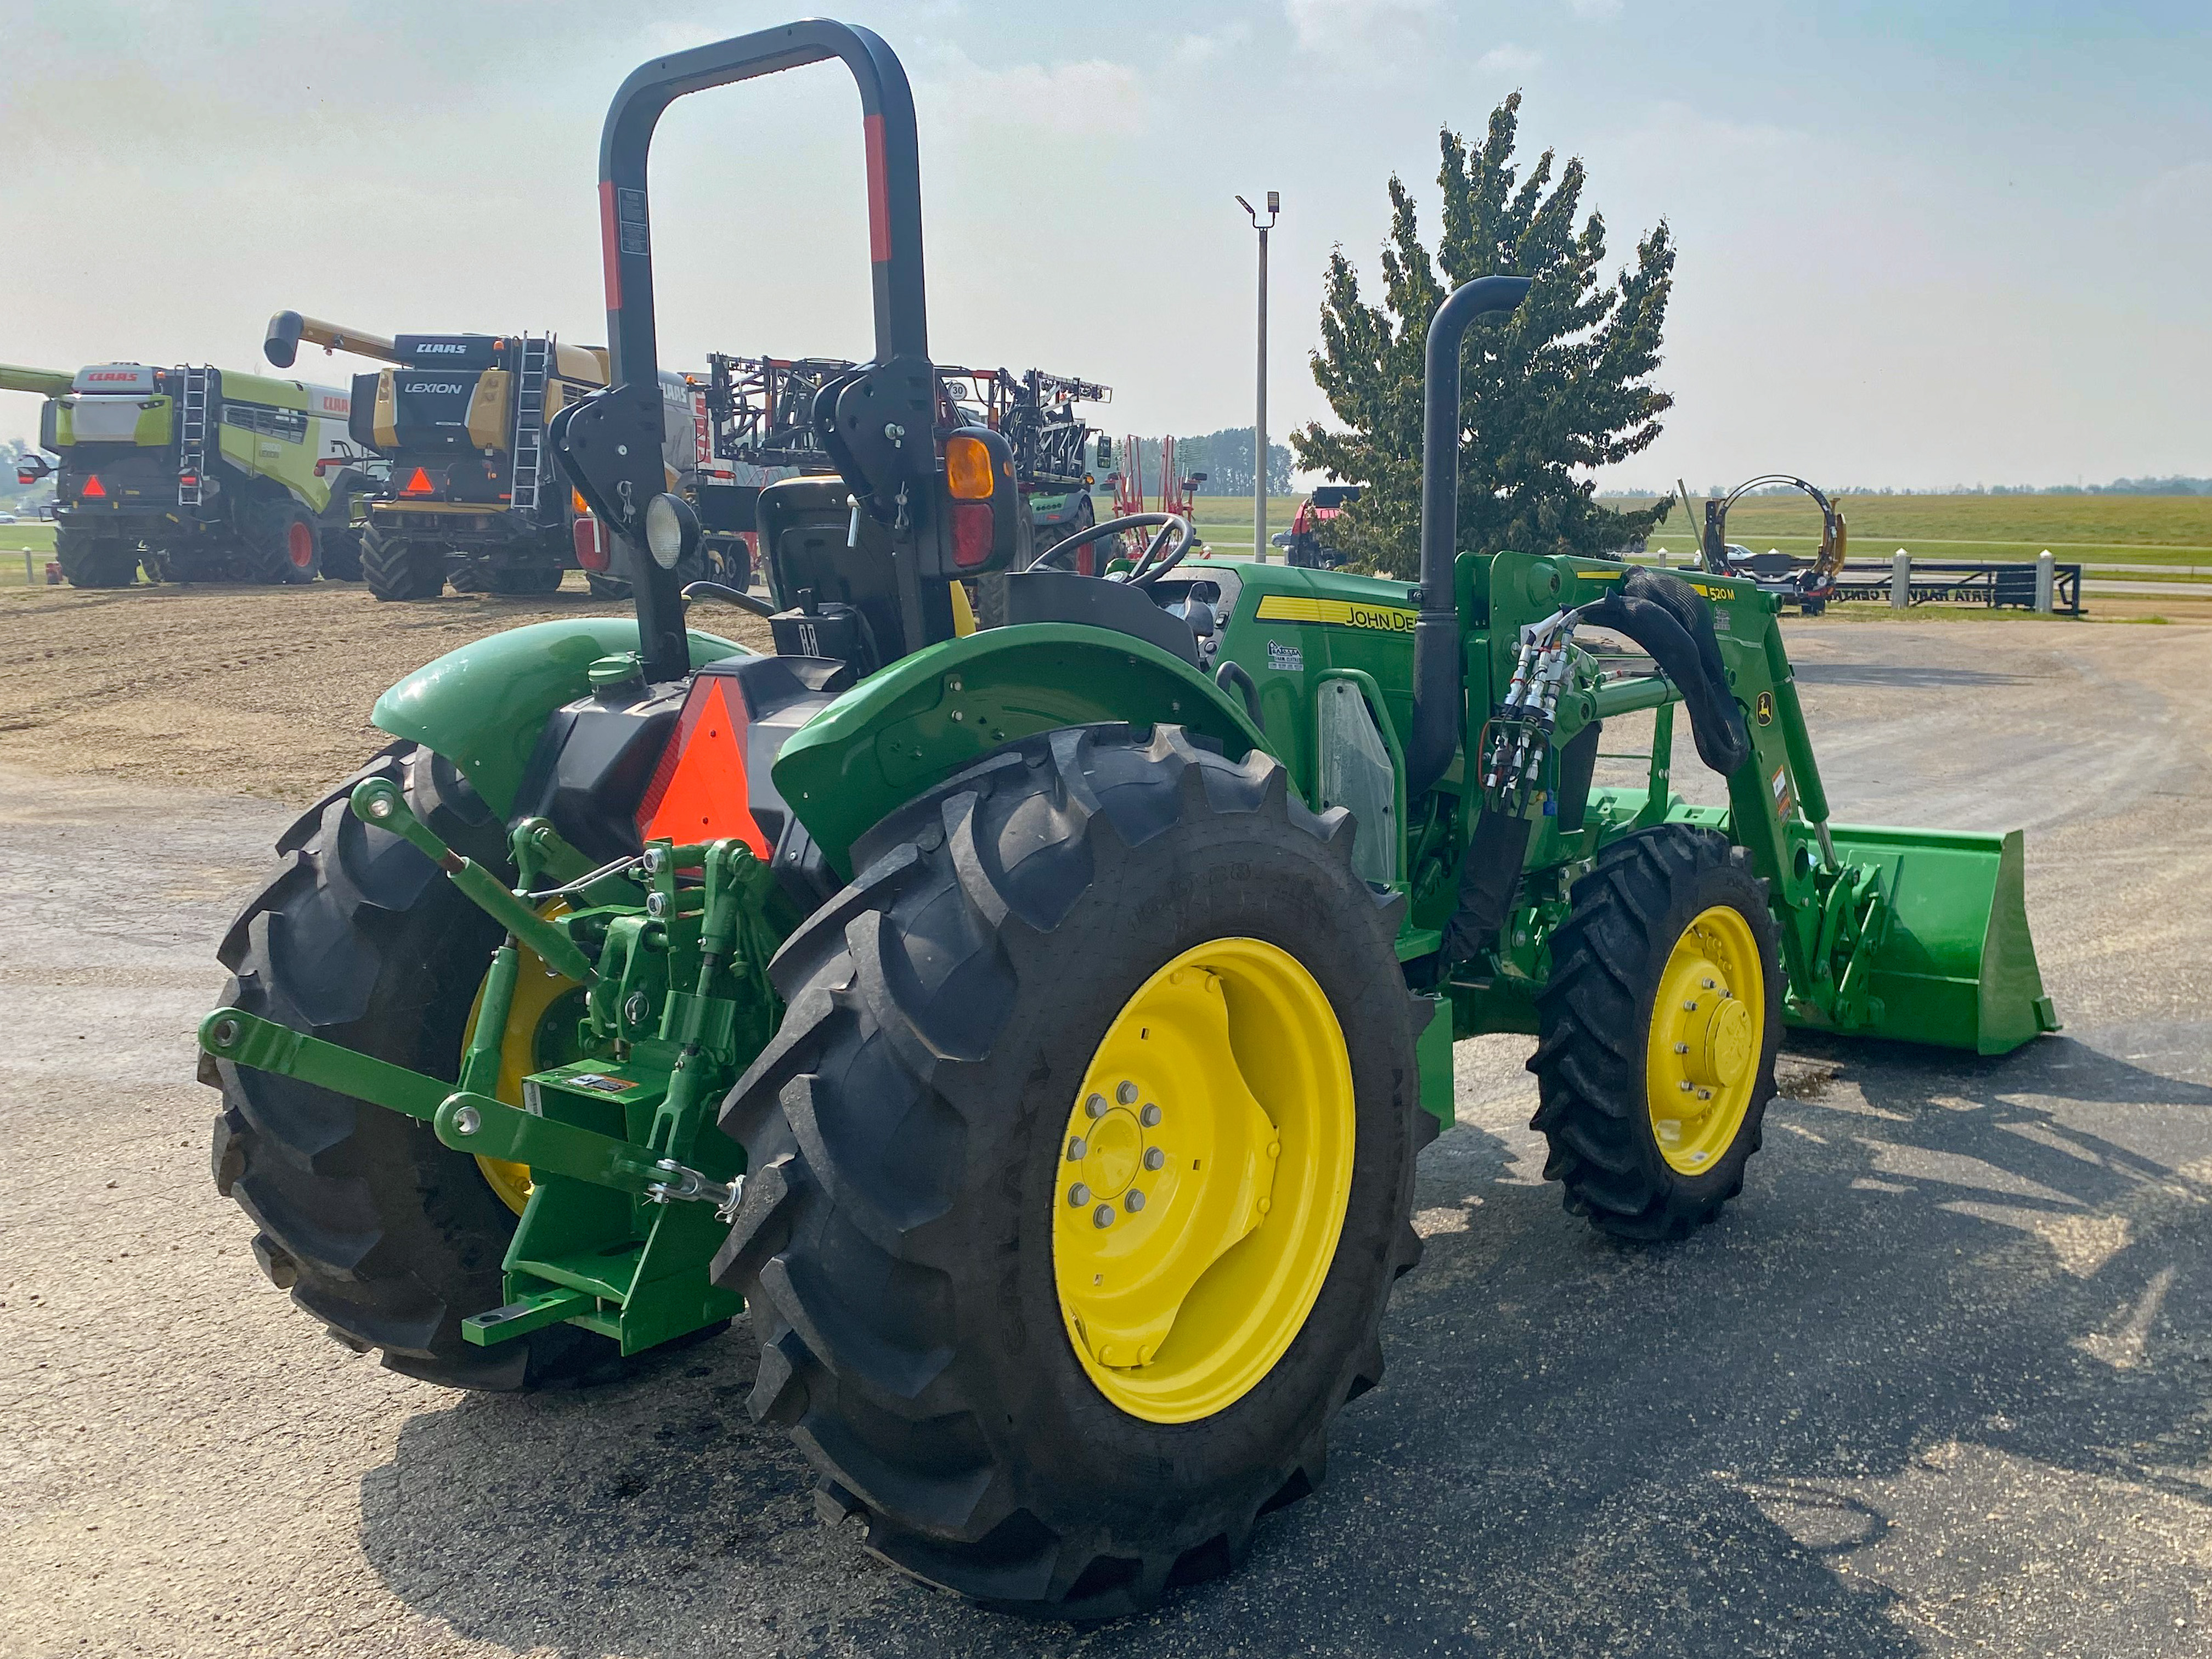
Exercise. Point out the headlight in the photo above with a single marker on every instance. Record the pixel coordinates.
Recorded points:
(672, 530)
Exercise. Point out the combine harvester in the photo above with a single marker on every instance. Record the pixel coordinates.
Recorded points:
(196, 474)
(1032, 1030)
(461, 419)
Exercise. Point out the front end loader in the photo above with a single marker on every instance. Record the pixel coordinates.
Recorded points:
(1030, 1031)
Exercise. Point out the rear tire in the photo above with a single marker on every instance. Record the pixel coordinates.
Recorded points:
(1597, 1012)
(276, 541)
(90, 561)
(341, 553)
(895, 1244)
(377, 1229)
(399, 569)
(526, 578)
(690, 569)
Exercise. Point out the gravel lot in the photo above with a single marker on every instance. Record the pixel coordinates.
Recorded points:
(1940, 1383)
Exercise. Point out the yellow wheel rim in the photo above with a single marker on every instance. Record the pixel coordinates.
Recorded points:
(527, 1045)
(1201, 1180)
(1708, 1027)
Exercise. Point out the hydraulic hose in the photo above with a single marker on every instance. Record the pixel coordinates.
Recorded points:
(1665, 616)
(1438, 686)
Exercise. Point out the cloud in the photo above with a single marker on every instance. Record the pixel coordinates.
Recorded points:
(1507, 58)
(1094, 97)
(2185, 189)
(1195, 49)
(1358, 26)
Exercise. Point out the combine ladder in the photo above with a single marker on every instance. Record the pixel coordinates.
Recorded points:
(192, 435)
(530, 422)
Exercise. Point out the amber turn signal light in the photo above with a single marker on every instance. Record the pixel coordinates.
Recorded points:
(968, 469)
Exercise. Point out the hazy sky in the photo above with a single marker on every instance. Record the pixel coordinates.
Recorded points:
(1920, 244)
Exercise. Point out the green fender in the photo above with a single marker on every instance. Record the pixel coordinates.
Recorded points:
(482, 706)
(925, 717)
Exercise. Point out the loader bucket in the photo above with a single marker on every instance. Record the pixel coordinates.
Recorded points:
(1956, 967)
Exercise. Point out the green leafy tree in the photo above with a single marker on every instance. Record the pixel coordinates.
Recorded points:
(1562, 385)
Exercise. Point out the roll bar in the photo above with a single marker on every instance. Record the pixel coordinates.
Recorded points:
(1438, 670)
(630, 411)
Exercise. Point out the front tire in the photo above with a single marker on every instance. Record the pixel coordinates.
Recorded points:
(1659, 1026)
(902, 1244)
(377, 1229)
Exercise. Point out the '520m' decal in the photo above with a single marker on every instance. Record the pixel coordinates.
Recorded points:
(1336, 613)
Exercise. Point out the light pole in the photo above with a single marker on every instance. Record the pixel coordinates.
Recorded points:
(1260, 411)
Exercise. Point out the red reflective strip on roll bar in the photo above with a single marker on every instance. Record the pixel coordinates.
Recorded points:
(879, 209)
(608, 243)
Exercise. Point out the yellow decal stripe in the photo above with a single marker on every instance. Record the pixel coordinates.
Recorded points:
(1334, 613)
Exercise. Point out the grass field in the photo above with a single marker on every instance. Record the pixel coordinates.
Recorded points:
(2160, 530)
(17, 539)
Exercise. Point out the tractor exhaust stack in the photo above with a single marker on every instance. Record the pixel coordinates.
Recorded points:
(1436, 667)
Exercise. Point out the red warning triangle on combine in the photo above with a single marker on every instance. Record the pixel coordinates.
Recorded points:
(94, 490)
(419, 485)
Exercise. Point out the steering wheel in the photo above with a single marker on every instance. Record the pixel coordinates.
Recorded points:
(1163, 553)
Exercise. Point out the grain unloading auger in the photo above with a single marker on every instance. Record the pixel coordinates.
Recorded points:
(1031, 1031)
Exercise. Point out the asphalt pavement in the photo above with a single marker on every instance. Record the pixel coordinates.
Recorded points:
(1941, 1382)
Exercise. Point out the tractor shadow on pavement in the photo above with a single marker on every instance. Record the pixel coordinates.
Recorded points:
(1940, 1377)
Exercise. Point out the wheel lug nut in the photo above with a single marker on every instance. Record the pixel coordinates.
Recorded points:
(1154, 1157)
(1134, 1200)
(1078, 1196)
(1705, 1094)
(1149, 1117)
(1707, 983)
(1102, 1216)
(1686, 1085)
(1095, 1107)
(1691, 1006)
(1125, 1093)
(1077, 1149)
(1680, 1049)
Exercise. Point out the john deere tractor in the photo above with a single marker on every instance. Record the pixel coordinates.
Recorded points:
(1031, 1031)
(196, 474)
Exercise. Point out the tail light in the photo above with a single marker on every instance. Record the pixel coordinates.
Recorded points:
(591, 546)
(971, 533)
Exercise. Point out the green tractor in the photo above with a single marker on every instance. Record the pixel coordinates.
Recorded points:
(1031, 1031)
(196, 474)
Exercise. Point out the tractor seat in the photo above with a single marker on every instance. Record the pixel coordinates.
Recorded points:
(1048, 596)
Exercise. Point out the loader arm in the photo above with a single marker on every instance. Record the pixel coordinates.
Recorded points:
(1914, 934)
